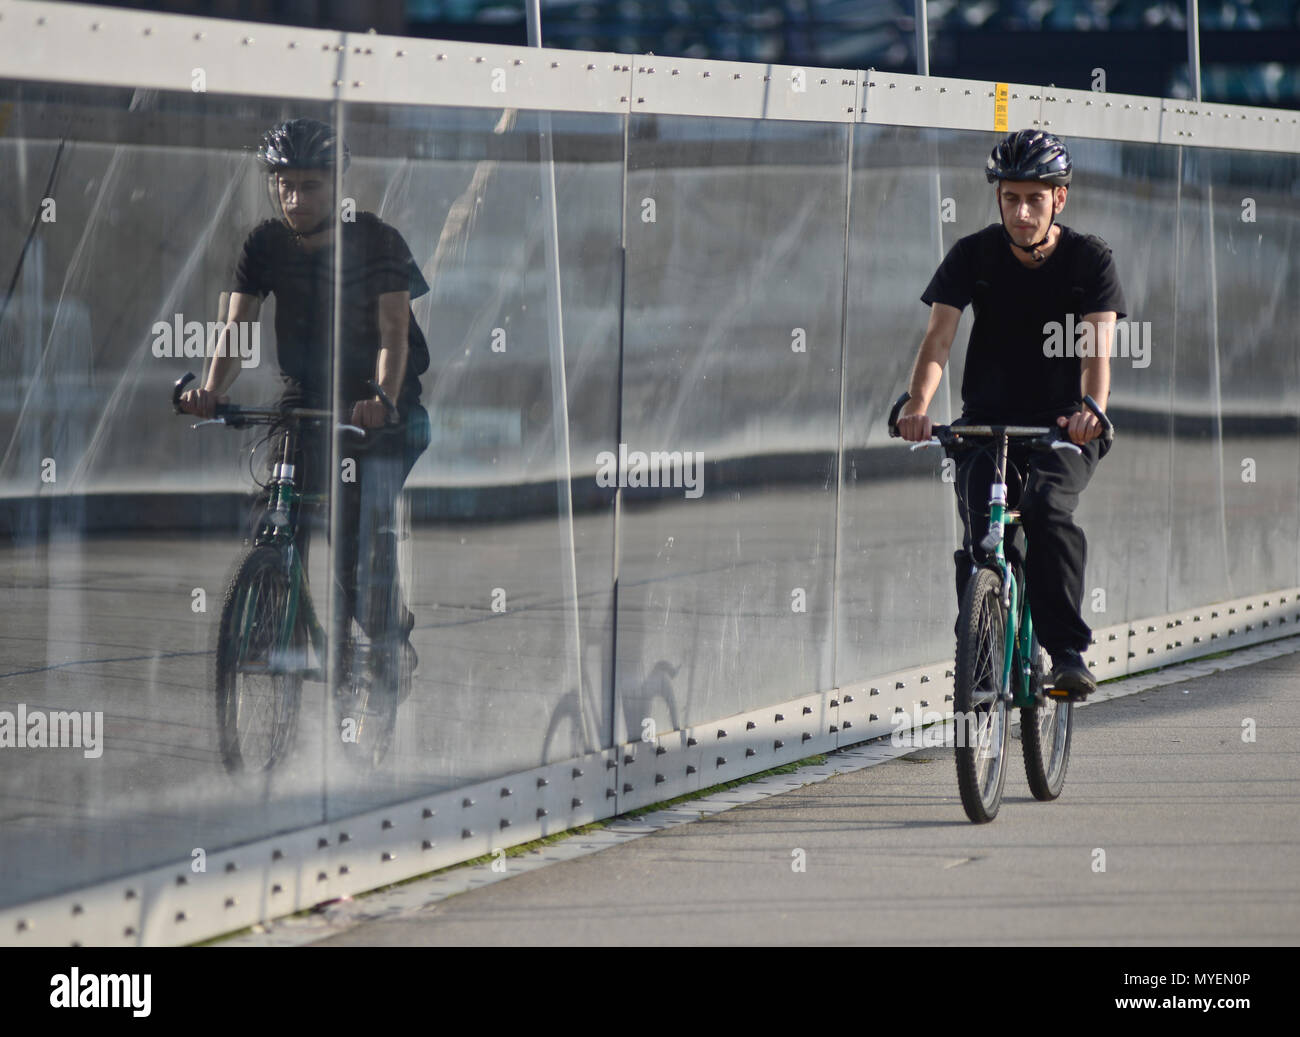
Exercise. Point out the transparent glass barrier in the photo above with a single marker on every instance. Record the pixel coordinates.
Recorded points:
(125, 524)
(513, 669)
(718, 554)
(731, 384)
(1255, 223)
(897, 515)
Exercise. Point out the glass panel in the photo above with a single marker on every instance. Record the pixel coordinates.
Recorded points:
(732, 355)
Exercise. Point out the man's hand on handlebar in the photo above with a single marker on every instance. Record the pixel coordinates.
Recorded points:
(1081, 427)
(369, 414)
(915, 428)
(202, 403)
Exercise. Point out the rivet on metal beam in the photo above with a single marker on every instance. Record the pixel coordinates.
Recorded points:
(629, 758)
(690, 768)
(230, 902)
(426, 844)
(466, 803)
(874, 691)
(276, 888)
(322, 877)
(343, 869)
(541, 813)
(575, 803)
(834, 729)
(577, 773)
(627, 787)
(426, 813)
(722, 733)
(721, 761)
(542, 783)
(690, 741)
(871, 717)
(925, 678)
(465, 833)
(344, 838)
(180, 916)
(806, 737)
(659, 779)
(750, 725)
(231, 866)
(23, 925)
(924, 703)
(660, 750)
(899, 684)
(807, 710)
(750, 752)
(181, 880)
(848, 699)
(504, 824)
(610, 764)
(129, 931)
(505, 793)
(610, 793)
(835, 703)
(130, 894)
(848, 724)
(249, 41)
(77, 909)
(778, 744)
(780, 717)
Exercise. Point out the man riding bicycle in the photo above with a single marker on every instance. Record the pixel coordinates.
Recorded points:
(292, 257)
(1028, 277)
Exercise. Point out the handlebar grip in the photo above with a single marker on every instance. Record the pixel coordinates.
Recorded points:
(179, 388)
(1107, 429)
(893, 414)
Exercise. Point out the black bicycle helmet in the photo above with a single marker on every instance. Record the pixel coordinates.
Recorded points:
(1030, 155)
(1035, 156)
(300, 144)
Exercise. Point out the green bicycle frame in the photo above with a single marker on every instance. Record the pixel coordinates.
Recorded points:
(1020, 624)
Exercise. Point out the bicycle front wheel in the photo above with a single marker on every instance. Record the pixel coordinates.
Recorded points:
(1045, 735)
(982, 717)
(259, 664)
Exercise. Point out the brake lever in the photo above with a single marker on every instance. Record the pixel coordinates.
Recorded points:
(1062, 444)
(210, 421)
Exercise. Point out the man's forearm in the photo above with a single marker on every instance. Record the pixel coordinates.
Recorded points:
(391, 368)
(1096, 379)
(224, 369)
(927, 373)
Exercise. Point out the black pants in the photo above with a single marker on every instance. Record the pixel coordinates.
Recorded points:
(1045, 487)
(369, 488)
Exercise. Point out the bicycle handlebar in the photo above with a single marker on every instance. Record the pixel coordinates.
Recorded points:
(239, 417)
(1017, 431)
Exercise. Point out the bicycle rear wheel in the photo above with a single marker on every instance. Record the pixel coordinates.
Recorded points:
(258, 669)
(1045, 735)
(982, 716)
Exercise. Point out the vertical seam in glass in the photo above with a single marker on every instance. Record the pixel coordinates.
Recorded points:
(1173, 374)
(616, 705)
(839, 450)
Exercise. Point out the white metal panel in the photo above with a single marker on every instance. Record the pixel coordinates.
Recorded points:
(80, 43)
(1088, 113)
(396, 70)
(693, 86)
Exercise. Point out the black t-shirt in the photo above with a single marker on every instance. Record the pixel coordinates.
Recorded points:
(1009, 377)
(376, 260)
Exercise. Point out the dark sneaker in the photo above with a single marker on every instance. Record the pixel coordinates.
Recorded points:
(1070, 677)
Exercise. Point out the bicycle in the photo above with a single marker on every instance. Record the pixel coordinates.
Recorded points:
(999, 662)
(268, 620)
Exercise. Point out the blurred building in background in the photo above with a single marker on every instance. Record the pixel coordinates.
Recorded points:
(1250, 49)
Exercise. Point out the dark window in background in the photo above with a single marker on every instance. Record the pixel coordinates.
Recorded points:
(1250, 49)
